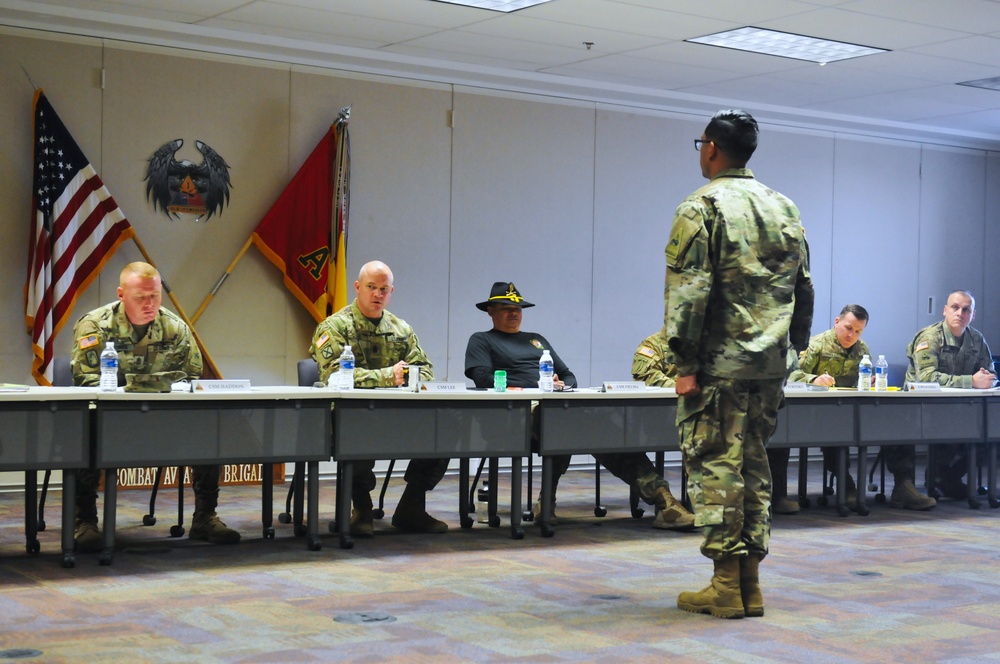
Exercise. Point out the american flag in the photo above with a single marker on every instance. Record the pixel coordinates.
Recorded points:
(75, 228)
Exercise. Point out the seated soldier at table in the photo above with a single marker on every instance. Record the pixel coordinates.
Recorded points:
(149, 339)
(506, 347)
(953, 354)
(383, 345)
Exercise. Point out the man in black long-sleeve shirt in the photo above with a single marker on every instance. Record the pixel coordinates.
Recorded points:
(507, 347)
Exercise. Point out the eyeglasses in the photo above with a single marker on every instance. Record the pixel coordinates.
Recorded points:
(698, 142)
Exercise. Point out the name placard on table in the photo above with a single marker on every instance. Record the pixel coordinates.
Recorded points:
(436, 386)
(624, 386)
(914, 386)
(805, 387)
(220, 385)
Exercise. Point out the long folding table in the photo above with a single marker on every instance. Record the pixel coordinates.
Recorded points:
(397, 424)
(46, 428)
(267, 425)
(589, 421)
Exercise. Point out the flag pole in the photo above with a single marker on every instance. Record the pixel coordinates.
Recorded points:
(218, 285)
(209, 362)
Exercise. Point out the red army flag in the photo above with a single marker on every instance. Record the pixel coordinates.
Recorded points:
(306, 228)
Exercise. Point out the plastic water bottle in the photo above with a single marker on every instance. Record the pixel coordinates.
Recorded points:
(346, 373)
(546, 370)
(881, 374)
(109, 368)
(865, 374)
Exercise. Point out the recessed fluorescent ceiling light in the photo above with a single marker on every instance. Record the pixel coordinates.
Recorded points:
(985, 83)
(497, 5)
(786, 45)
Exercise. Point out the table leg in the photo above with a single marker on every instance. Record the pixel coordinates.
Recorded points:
(546, 516)
(991, 476)
(312, 516)
(345, 477)
(862, 481)
(267, 500)
(494, 478)
(463, 493)
(516, 531)
(971, 483)
(69, 518)
(31, 511)
(110, 514)
(297, 500)
(842, 508)
(803, 476)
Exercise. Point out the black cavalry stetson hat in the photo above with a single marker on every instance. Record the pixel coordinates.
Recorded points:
(504, 292)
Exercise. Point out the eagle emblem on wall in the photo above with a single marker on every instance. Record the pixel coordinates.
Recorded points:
(184, 187)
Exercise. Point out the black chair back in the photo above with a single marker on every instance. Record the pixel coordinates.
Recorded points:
(62, 375)
(308, 372)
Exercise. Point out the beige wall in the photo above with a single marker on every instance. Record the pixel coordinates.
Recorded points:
(570, 199)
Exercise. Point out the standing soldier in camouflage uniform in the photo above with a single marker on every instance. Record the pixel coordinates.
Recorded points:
(383, 346)
(952, 354)
(149, 339)
(737, 291)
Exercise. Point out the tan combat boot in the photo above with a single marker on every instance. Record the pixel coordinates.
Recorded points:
(87, 536)
(905, 496)
(753, 598)
(722, 597)
(411, 514)
(206, 524)
(671, 515)
(537, 511)
(362, 518)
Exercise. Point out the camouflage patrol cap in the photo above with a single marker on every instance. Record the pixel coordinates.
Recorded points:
(504, 292)
(159, 381)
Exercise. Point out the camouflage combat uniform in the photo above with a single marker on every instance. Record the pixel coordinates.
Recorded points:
(166, 346)
(376, 347)
(737, 291)
(653, 362)
(935, 357)
(825, 355)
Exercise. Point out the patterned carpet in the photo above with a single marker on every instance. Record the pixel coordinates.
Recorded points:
(892, 586)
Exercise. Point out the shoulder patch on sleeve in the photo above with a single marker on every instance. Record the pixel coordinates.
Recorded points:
(87, 341)
(646, 350)
(923, 345)
(686, 227)
(323, 338)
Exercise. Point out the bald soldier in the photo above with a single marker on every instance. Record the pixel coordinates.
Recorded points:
(149, 339)
(384, 346)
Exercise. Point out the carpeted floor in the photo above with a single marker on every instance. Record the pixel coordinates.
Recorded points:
(892, 586)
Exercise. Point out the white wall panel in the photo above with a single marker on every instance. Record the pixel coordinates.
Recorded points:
(875, 239)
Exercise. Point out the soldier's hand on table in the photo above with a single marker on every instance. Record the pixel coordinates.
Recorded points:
(397, 372)
(983, 379)
(826, 380)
